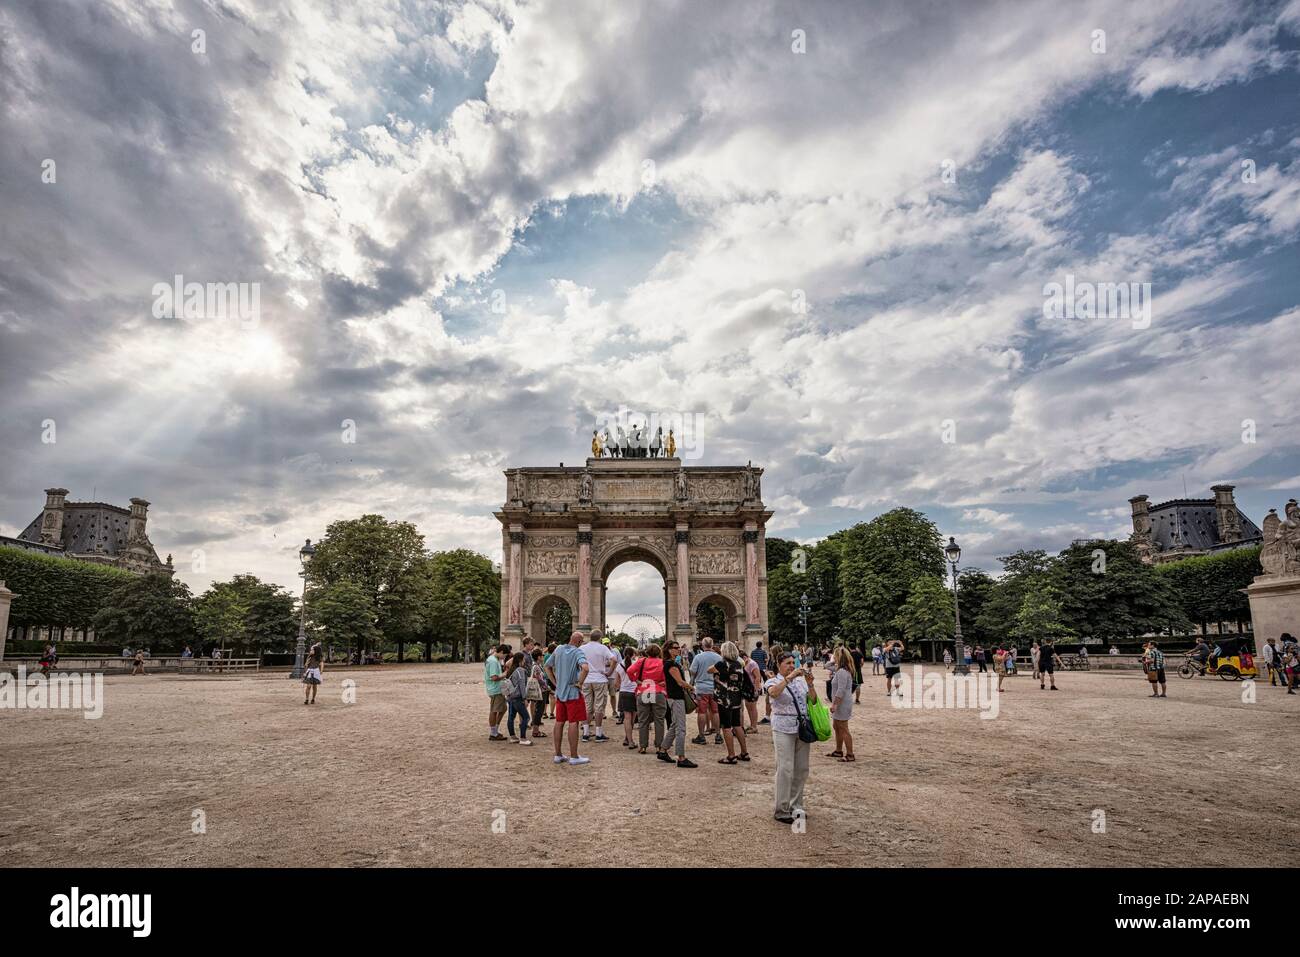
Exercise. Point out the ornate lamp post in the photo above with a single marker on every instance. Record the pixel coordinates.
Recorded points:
(304, 555)
(803, 615)
(469, 623)
(953, 554)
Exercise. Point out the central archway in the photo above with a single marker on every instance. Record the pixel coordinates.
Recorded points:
(619, 556)
(564, 530)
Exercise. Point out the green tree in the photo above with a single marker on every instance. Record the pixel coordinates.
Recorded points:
(927, 615)
(779, 551)
(246, 615)
(1039, 616)
(1210, 588)
(1106, 592)
(975, 587)
(378, 556)
(444, 581)
(878, 563)
(341, 615)
(1022, 571)
(151, 611)
(711, 620)
(54, 591)
(559, 623)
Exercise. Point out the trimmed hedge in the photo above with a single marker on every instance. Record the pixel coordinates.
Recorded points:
(56, 591)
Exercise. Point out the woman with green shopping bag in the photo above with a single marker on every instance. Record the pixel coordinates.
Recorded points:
(792, 735)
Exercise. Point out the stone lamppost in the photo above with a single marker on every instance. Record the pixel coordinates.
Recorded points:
(305, 556)
(953, 554)
(469, 623)
(803, 616)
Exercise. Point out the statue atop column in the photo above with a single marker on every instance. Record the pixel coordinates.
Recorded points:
(679, 486)
(597, 450)
(752, 487)
(672, 445)
(585, 487)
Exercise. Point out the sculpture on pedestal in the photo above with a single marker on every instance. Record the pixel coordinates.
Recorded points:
(672, 445)
(597, 450)
(1280, 554)
(585, 487)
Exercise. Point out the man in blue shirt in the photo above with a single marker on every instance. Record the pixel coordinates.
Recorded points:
(760, 658)
(706, 705)
(567, 671)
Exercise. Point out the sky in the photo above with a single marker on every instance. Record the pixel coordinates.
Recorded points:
(826, 232)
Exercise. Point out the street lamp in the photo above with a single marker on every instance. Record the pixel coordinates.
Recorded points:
(305, 556)
(803, 615)
(953, 554)
(469, 623)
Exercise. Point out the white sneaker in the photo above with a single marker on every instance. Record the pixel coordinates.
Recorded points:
(525, 742)
(559, 759)
(579, 760)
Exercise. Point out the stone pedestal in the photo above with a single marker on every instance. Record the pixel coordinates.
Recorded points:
(1274, 606)
(6, 599)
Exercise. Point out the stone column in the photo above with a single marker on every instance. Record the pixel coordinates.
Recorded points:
(751, 577)
(515, 621)
(6, 599)
(584, 578)
(683, 537)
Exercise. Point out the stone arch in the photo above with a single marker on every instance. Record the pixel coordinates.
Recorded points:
(651, 552)
(726, 598)
(564, 529)
(539, 601)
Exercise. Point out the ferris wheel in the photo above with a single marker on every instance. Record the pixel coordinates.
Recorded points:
(644, 628)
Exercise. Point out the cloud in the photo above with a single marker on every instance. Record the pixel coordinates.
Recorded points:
(815, 287)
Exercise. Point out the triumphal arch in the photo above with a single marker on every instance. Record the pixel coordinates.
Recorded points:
(564, 529)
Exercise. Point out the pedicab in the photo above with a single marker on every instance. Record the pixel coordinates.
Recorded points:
(1235, 661)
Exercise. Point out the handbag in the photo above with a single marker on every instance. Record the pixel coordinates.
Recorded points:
(1152, 675)
(807, 734)
(689, 700)
(534, 692)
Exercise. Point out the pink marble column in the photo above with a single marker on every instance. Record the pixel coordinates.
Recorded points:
(584, 577)
(516, 577)
(683, 578)
(751, 577)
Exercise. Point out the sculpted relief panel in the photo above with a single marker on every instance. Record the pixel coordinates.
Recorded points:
(715, 562)
(557, 489)
(551, 562)
(715, 489)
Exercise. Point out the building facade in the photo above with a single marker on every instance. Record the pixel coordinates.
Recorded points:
(93, 532)
(1186, 527)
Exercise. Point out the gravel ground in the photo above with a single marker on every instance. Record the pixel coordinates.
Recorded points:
(405, 776)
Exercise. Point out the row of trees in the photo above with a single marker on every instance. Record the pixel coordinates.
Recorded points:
(372, 586)
(886, 579)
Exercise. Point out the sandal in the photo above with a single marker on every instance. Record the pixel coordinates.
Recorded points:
(835, 754)
(539, 734)
(848, 759)
(726, 760)
(745, 756)
(640, 751)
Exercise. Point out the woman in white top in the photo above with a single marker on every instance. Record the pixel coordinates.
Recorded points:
(789, 693)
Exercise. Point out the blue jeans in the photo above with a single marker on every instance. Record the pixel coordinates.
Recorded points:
(518, 706)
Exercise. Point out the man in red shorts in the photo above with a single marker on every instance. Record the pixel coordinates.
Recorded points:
(567, 671)
(706, 704)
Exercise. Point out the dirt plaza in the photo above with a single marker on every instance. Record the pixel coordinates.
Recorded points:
(235, 771)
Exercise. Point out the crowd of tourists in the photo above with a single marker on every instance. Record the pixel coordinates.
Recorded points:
(587, 687)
